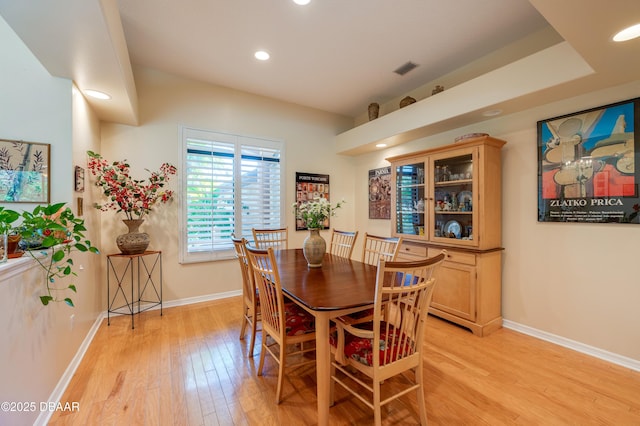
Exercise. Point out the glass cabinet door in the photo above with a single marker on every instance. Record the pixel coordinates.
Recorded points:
(410, 199)
(453, 207)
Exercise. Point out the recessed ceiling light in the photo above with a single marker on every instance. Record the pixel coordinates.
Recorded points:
(381, 145)
(96, 94)
(301, 2)
(262, 55)
(628, 33)
(492, 112)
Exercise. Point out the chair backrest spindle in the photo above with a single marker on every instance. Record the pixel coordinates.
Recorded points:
(275, 238)
(342, 243)
(376, 248)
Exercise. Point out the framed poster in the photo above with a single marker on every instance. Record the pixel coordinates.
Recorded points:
(79, 179)
(309, 187)
(380, 193)
(24, 172)
(586, 165)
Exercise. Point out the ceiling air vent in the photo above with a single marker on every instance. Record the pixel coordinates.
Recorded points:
(405, 68)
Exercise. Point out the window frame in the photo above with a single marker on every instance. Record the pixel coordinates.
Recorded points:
(185, 133)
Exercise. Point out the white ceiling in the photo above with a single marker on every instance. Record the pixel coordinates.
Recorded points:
(333, 55)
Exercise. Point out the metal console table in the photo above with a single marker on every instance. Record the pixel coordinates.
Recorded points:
(145, 269)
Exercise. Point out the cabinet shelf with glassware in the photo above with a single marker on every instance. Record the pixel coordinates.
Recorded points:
(449, 197)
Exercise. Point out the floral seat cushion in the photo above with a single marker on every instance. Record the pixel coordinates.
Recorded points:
(361, 349)
(298, 321)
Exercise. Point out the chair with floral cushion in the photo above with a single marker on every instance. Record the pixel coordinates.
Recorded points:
(285, 323)
(342, 243)
(275, 238)
(390, 345)
(250, 299)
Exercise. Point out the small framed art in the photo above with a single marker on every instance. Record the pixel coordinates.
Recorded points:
(24, 172)
(79, 179)
(380, 193)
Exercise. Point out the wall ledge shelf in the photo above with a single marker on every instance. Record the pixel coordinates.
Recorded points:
(14, 267)
(463, 104)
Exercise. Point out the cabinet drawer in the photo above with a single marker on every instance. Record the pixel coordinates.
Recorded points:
(455, 256)
(410, 251)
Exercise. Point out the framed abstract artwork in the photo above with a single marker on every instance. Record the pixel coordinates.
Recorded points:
(24, 172)
(586, 165)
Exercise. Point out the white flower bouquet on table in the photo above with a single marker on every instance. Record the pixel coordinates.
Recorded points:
(316, 212)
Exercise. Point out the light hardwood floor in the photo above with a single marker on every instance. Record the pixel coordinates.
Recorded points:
(189, 368)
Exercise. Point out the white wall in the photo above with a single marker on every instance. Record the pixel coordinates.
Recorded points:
(38, 343)
(166, 102)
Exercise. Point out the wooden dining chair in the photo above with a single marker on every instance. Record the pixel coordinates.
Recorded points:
(250, 300)
(342, 243)
(376, 248)
(288, 325)
(275, 238)
(366, 355)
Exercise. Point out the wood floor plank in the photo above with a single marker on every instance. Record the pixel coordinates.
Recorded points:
(188, 367)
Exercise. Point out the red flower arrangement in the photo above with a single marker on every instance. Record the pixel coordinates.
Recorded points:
(134, 198)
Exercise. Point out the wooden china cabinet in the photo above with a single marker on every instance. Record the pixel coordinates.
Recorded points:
(450, 197)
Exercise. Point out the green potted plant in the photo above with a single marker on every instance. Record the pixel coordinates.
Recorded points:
(7, 217)
(59, 232)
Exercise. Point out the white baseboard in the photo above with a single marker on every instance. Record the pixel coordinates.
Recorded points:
(572, 344)
(199, 299)
(60, 388)
(58, 391)
(182, 302)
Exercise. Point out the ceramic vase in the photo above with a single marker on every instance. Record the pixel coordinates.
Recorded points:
(374, 110)
(408, 100)
(314, 248)
(134, 241)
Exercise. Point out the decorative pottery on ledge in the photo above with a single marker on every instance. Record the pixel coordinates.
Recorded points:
(314, 247)
(407, 101)
(374, 110)
(134, 241)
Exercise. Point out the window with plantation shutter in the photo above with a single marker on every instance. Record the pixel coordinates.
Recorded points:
(230, 184)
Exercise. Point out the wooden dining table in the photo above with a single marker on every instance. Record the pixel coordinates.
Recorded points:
(339, 287)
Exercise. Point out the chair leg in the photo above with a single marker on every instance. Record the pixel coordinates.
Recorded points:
(243, 329)
(422, 407)
(377, 410)
(253, 335)
(332, 383)
(283, 356)
(262, 352)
